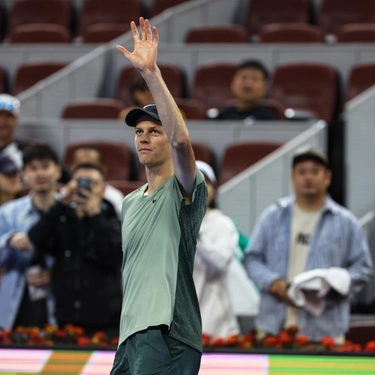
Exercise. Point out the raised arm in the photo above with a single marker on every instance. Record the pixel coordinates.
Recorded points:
(143, 58)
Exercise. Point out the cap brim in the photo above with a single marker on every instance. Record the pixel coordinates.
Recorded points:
(133, 116)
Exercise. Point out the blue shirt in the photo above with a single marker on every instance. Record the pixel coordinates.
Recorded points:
(338, 241)
(16, 216)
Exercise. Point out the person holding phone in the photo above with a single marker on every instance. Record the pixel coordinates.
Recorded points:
(83, 233)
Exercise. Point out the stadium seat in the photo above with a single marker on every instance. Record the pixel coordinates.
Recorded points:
(361, 332)
(263, 12)
(125, 186)
(361, 77)
(108, 12)
(276, 106)
(28, 74)
(56, 12)
(212, 84)
(159, 6)
(356, 33)
(172, 74)
(192, 109)
(290, 33)
(103, 33)
(36, 33)
(217, 34)
(335, 13)
(240, 155)
(309, 87)
(203, 152)
(117, 157)
(97, 108)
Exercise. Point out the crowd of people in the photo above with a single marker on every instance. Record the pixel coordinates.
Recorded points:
(70, 247)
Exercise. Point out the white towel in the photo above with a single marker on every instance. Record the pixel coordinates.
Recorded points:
(308, 289)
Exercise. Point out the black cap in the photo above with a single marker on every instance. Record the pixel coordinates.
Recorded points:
(132, 117)
(7, 165)
(310, 153)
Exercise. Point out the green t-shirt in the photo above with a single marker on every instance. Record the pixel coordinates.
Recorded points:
(159, 234)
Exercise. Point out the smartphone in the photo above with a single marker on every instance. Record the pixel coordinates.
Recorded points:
(83, 183)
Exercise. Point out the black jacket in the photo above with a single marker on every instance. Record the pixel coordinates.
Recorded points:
(86, 276)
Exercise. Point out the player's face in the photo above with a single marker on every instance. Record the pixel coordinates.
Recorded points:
(310, 179)
(151, 142)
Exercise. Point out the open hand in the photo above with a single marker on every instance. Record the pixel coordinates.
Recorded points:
(145, 46)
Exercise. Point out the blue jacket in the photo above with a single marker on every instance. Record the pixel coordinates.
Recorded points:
(338, 241)
(16, 216)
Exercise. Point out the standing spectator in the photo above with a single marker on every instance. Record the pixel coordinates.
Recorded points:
(19, 305)
(9, 114)
(83, 234)
(249, 87)
(307, 234)
(91, 155)
(216, 264)
(10, 180)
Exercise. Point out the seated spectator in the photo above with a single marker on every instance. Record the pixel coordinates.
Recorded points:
(9, 114)
(303, 236)
(91, 155)
(19, 302)
(10, 180)
(216, 270)
(249, 86)
(140, 95)
(82, 232)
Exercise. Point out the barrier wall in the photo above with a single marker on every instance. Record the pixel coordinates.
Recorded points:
(360, 153)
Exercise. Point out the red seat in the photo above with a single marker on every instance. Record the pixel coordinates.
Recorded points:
(203, 152)
(28, 74)
(36, 33)
(125, 186)
(93, 109)
(240, 155)
(217, 34)
(361, 77)
(212, 84)
(263, 12)
(192, 109)
(335, 13)
(172, 75)
(103, 33)
(56, 12)
(159, 6)
(290, 33)
(361, 332)
(310, 87)
(356, 33)
(117, 157)
(108, 12)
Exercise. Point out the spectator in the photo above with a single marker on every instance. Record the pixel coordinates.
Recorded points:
(307, 232)
(18, 305)
(249, 86)
(9, 113)
(91, 155)
(10, 180)
(140, 95)
(82, 232)
(215, 262)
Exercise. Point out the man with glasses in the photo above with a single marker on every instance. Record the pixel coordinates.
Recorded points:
(9, 114)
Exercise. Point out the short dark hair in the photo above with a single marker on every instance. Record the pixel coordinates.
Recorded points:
(253, 64)
(88, 166)
(39, 152)
(92, 148)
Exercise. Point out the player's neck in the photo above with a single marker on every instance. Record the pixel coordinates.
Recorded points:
(156, 176)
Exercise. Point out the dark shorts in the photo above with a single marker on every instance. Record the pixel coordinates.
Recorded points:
(153, 351)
